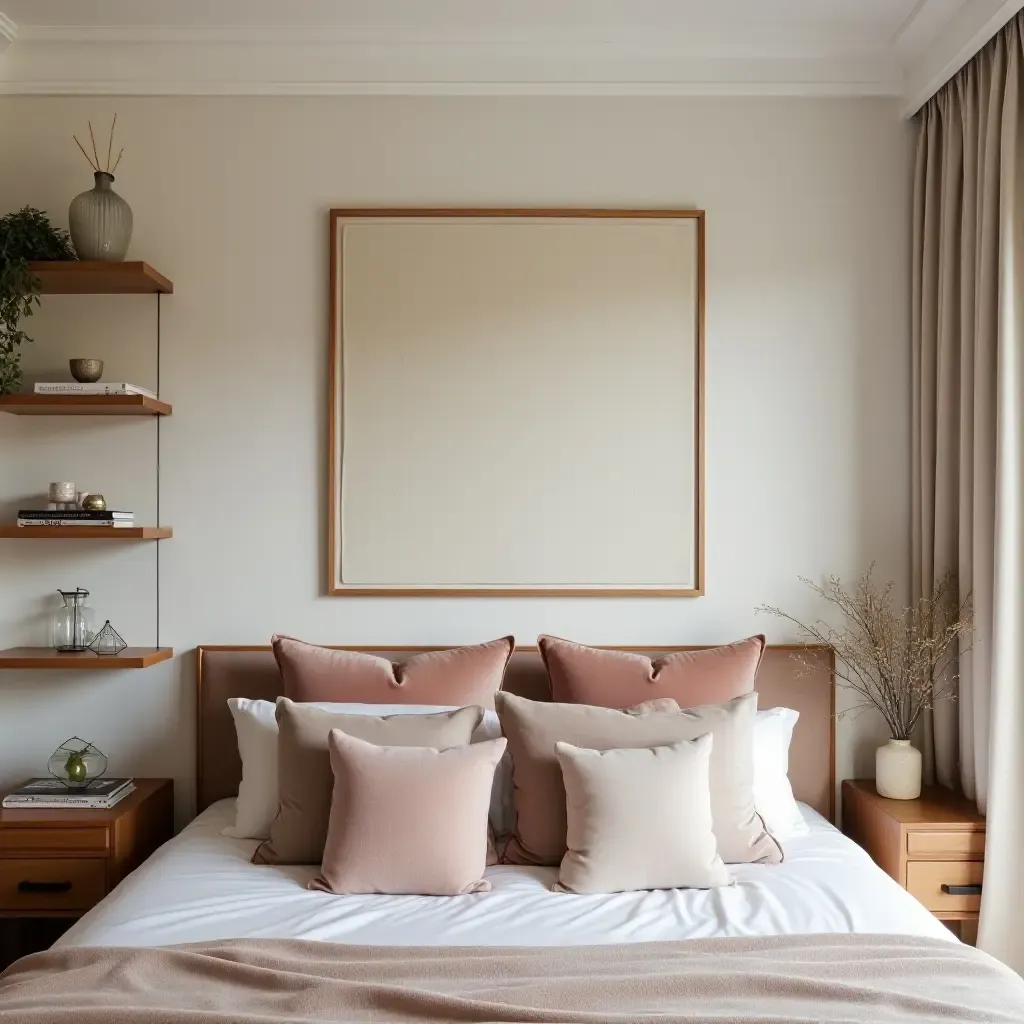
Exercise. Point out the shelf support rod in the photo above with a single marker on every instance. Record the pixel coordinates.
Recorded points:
(158, 419)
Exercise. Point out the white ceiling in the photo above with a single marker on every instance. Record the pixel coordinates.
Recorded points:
(903, 48)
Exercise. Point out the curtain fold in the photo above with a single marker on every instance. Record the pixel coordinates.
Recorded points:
(968, 444)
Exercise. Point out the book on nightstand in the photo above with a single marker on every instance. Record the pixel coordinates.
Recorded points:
(100, 794)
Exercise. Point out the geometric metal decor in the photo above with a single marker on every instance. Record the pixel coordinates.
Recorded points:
(107, 641)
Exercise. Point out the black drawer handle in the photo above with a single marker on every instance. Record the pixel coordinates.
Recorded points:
(962, 890)
(44, 886)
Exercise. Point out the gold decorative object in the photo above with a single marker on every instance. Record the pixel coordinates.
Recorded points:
(86, 371)
(94, 503)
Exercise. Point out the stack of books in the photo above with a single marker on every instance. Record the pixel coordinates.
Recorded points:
(100, 794)
(73, 517)
(73, 388)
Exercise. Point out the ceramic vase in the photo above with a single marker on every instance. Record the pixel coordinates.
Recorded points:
(898, 770)
(100, 222)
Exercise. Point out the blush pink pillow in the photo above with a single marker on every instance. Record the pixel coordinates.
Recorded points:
(408, 820)
(455, 678)
(617, 679)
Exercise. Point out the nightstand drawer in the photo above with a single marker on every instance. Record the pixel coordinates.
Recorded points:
(57, 840)
(952, 845)
(51, 884)
(926, 878)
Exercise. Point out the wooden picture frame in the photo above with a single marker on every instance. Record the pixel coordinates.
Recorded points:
(687, 227)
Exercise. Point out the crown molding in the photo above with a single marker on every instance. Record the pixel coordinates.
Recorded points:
(937, 38)
(964, 34)
(255, 61)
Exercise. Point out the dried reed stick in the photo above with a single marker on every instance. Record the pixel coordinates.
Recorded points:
(86, 155)
(110, 144)
(94, 153)
(117, 161)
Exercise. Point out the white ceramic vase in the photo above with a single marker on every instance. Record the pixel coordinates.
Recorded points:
(898, 770)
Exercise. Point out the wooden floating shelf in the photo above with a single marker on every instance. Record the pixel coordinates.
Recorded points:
(47, 657)
(85, 532)
(97, 277)
(83, 405)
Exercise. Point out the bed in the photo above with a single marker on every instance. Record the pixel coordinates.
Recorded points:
(824, 935)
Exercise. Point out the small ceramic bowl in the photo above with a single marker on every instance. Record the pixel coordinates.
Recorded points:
(86, 371)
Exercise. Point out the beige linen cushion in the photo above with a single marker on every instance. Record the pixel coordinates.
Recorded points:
(299, 831)
(620, 679)
(408, 820)
(533, 728)
(460, 676)
(639, 819)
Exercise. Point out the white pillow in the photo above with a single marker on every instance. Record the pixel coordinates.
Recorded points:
(773, 793)
(256, 807)
(256, 730)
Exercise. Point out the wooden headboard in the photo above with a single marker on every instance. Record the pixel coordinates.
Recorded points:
(223, 672)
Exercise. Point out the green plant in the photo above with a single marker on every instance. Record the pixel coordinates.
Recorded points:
(24, 235)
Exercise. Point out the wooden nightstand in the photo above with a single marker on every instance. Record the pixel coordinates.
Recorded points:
(59, 863)
(933, 846)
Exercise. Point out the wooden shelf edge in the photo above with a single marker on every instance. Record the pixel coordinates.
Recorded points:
(99, 277)
(83, 405)
(85, 532)
(47, 658)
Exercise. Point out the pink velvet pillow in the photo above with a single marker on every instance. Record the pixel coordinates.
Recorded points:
(455, 678)
(616, 679)
(408, 820)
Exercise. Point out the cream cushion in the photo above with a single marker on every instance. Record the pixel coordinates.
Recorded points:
(639, 819)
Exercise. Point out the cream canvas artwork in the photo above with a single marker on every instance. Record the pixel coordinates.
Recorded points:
(516, 403)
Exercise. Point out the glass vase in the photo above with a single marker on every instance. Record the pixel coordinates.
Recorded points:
(74, 625)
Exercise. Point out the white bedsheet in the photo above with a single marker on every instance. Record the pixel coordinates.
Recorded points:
(201, 886)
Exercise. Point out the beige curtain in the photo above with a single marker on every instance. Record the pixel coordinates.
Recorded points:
(968, 443)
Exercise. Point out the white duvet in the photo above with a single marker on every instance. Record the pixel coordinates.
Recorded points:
(201, 886)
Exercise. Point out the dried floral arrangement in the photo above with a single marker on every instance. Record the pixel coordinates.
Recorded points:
(899, 661)
(94, 160)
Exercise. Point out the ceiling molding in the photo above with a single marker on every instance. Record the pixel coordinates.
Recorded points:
(963, 35)
(262, 61)
(935, 39)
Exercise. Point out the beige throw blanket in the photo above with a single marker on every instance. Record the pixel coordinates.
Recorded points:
(850, 978)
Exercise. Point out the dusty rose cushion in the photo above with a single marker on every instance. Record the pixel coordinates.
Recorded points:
(534, 727)
(461, 676)
(305, 783)
(618, 679)
(639, 819)
(408, 820)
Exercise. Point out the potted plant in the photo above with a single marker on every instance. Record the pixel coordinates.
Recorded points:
(25, 235)
(898, 661)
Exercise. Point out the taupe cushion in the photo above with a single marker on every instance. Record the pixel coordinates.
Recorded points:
(299, 832)
(639, 819)
(533, 728)
(408, 820)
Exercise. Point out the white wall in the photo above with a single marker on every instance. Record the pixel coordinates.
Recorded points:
(807, 418)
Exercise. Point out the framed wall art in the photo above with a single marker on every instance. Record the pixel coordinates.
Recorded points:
(516, 402)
